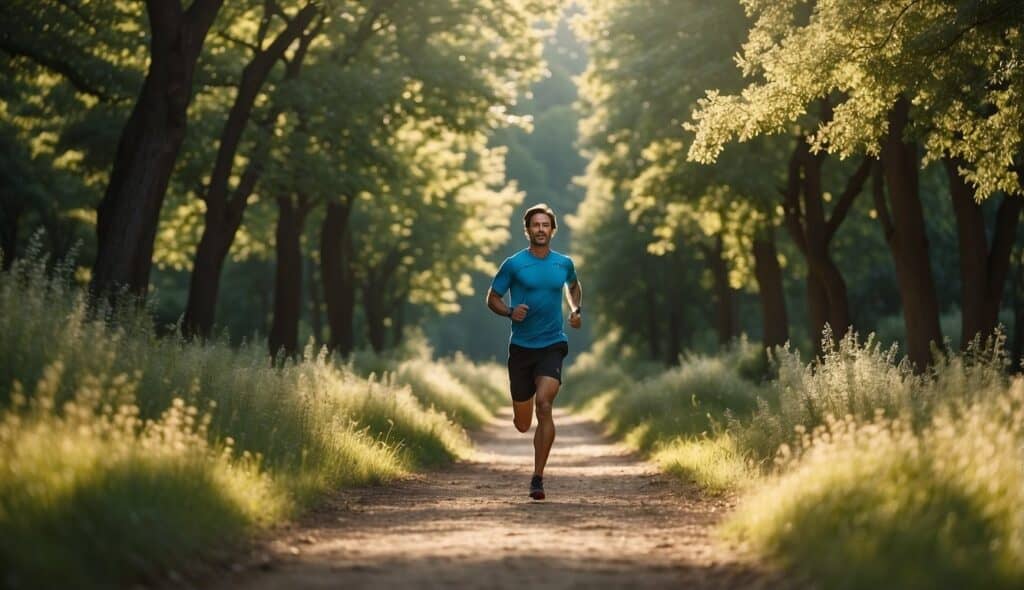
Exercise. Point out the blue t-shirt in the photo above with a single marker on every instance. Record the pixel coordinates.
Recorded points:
(537, 282)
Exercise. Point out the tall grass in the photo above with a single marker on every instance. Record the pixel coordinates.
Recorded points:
(880, 504)
(678, 415)
(122, 453)
(885, 478)
(857, 380)
(436, 387)
(488, 382)
(854, 471)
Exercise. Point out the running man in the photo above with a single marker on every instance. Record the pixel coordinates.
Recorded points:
(536, 276)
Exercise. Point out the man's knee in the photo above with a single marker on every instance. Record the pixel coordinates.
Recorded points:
(543, 409)
(521, 425)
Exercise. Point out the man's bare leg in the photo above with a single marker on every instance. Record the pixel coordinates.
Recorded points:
(522, 414)
(544, 437)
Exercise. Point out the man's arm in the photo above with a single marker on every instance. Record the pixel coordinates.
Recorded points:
(497, 305)
(574, 293)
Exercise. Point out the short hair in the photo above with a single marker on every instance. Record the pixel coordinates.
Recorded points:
(539, 208)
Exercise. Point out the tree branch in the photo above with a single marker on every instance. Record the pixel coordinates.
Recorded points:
(65, 69)
(367, 28)
(878, 191)
(253, 76)
(854, 186)
(1007, 219)
(892, 28)
(229, 37)
(77, 11)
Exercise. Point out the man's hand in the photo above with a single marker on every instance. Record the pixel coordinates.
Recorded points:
(519, 313)
(575, 320)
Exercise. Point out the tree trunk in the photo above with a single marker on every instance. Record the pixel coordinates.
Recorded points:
(380, 298)
(373, 309)
(982, 271)
(204, 284)
(223, 212)
(908, 241)
(284, 331)
(653, 331)
(675, 325)
(316, 320)
(398, 325)
(11, 207)
(148, 148)
(770, 291)
(817, 311)
(819, 261)
(725, 304)
(1017, 298)
(254, 75)
(336, 274)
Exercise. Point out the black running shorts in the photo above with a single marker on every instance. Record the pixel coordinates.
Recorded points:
(526, 364)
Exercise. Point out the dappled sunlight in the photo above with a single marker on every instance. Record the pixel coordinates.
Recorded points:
(252, 297)
(613, 520)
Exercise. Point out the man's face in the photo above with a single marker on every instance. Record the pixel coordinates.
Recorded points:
(539, 230)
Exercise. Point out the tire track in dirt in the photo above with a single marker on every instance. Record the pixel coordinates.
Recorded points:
(611, 520)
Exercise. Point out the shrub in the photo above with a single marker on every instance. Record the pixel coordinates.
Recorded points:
(880, 504)
(858, 380)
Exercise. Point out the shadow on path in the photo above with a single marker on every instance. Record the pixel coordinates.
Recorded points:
(610, 521)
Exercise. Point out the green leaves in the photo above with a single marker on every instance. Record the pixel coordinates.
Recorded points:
(959, 64)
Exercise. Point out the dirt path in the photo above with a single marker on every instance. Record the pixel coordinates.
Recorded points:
(610, 520)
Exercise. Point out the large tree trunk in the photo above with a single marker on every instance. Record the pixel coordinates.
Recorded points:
(770, 292)
(338, 280)
(127, 216)
(908, 241)
(982, 271)
(284, 331)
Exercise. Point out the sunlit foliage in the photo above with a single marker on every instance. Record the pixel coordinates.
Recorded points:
(959, 64)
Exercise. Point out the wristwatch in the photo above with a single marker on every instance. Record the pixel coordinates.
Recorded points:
(509, 314)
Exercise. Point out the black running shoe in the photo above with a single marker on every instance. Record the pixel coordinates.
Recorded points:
(537, 487)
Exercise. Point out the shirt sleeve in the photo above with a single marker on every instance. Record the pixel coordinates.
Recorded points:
(503, 280)
(570, 277)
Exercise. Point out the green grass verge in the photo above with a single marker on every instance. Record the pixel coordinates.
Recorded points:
(879, 505)
(123, 454)
(715, 463)
(853, 472)
(678, 416)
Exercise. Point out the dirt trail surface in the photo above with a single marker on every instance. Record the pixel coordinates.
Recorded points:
(611, 520)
